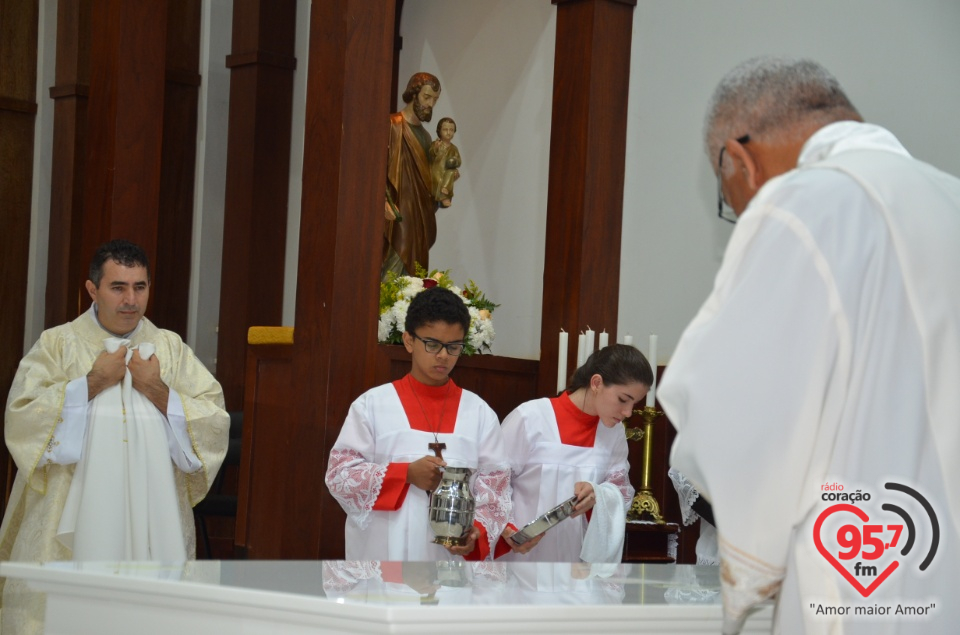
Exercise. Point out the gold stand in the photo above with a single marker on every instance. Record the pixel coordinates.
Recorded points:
(643, 501)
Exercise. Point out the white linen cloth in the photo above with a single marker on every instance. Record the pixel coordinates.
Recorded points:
(122, 503)
(603, 542)
(828, 352)
(544, 471)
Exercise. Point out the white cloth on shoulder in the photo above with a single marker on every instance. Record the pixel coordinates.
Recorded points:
(603, 541)
(122, 503)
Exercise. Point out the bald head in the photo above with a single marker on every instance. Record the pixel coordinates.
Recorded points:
(774, 100)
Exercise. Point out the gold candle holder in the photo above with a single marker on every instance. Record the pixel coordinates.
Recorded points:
(644, 502)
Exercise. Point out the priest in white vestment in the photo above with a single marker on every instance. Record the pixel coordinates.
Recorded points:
(815, 393)
(382, 466)
(145, 461)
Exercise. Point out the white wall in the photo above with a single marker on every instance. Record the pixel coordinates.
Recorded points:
(494, 60)
(42, 168)
(897, 61)
(211, 179)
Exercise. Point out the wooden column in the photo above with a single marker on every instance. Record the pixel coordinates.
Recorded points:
(124, 146)
(341, 226)
(169, 297)
(125, 124)
(581, 279)
(18, 110)
(262, 65)
(65, 262)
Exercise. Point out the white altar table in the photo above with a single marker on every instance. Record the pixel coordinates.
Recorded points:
(300, 597)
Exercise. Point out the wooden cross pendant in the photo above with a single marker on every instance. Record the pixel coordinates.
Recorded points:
(437, 448)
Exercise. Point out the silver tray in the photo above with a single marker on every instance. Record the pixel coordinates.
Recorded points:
(545, 521)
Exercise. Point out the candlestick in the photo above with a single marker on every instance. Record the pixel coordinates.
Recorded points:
(628, 340)
(590, 343)
(581, 349)
(604, 339)
(644, 502)
(562, 361)
(652, 394)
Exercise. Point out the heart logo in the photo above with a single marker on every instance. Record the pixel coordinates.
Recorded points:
(862, 515)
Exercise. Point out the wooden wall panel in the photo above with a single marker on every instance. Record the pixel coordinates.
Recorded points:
(262, 65)
(18, 108)
(124, 146)
(267, 447)
(125, 124)
(581, 279)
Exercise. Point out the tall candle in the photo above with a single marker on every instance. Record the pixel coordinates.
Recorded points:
(562, 361)
(581, 350)
(591, 342)
(604, 339)
(652, 395)
(628, 340)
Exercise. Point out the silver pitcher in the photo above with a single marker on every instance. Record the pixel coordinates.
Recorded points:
(451, 507)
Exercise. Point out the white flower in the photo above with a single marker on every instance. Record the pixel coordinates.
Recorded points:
(392, 321)
(384, 325)
(411, 287)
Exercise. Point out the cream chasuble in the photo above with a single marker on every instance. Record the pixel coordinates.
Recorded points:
(35, 407)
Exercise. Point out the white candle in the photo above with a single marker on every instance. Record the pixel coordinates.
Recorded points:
(562, 361)
(581, 349)
(604, 339)
(591, 342)
(628, 340)
(652, 395)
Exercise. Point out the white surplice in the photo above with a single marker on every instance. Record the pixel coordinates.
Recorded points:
(829, 352)
(377, 433)
(544, 471)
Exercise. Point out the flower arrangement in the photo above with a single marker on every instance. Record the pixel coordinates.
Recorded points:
(397, 291)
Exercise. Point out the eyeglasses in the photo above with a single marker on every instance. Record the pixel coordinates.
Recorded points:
(724, 211)
(434, 346)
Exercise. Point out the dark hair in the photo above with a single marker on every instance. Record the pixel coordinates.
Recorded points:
(443, 121)
(617, 364)
(120, 251)
(416, 83)
(437, 305)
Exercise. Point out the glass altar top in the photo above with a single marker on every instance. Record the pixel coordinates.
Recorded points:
(394, 584)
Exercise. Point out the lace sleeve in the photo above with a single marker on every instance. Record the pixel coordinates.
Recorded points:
(688, 495)
(493, 502)
(621, 480)
(355, 483)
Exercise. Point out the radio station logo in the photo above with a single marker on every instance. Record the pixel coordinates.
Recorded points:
(867, 549)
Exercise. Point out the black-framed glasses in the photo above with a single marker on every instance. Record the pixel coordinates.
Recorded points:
(724, 211)
(434, 346)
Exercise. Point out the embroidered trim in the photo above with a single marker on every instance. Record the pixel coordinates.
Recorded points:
(493, 496)
(355, 483)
